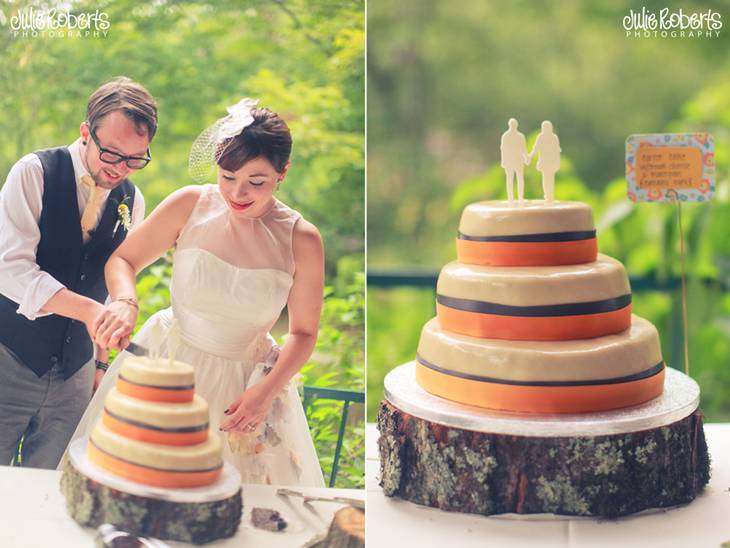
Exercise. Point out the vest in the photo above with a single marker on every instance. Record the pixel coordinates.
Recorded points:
(52, 340)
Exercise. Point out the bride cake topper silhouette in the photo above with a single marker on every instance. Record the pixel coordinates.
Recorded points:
(513, 149)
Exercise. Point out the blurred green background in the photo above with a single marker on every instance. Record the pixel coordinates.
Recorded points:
(303, 59)
(443, 81)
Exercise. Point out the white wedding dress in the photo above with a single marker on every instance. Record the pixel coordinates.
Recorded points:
(231, 279)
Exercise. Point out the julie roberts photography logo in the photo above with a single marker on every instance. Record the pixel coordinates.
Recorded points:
(33, 22)
(677, 23)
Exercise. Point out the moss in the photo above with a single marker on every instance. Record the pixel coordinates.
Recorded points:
(608, 458)
(480, 465)
(642, 452)
(435, 464)
(559, 495)
(390, 449)
(92, 504)
(474, 472)
(666, 432)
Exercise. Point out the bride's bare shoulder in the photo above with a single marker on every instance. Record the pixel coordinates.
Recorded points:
(176, 208)
(306, 240)
(181, 201)
(186, 196)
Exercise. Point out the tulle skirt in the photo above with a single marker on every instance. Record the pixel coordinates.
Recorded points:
(280, 452)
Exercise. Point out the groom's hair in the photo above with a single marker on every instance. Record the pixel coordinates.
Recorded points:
(128, 96)
(267, 136)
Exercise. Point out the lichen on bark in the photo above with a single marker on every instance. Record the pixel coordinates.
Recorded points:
(475, 472)
(91, 504)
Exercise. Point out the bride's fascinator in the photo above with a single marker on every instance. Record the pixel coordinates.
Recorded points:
(213, 141)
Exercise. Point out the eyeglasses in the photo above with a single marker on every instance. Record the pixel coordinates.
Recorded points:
(110, 157)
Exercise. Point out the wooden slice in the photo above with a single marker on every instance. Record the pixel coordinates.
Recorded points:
(482, 473)
(347, 529)
(91, 503)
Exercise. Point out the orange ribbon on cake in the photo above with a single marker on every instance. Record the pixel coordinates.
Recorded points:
(540, 399)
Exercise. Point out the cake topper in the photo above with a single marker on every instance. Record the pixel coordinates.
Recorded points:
(156, 336)
(514, 158)
(547, 146)
(513, 148)
(173, 341)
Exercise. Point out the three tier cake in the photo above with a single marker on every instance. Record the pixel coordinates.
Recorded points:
(151, 465)
(535, 389)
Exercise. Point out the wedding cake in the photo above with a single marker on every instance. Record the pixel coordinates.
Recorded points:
(152, 465)
(535, 389)
(154, 429)
(556, 336)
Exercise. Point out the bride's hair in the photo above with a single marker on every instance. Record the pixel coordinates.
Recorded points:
(267, 136)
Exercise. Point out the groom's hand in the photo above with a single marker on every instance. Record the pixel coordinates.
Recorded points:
(91, 314)
(115, 325)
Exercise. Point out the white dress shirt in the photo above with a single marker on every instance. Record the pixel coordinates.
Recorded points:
(21, 201)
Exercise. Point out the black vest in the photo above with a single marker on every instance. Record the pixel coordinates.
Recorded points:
(49, 340)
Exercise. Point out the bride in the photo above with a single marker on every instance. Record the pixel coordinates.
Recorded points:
(240, 256)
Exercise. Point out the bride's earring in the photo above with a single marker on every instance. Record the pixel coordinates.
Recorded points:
(278, 185)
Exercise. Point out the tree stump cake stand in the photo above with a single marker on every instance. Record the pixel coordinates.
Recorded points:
(460, 458)
(198, 515)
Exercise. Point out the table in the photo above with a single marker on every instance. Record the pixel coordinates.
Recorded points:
(703, 523)
(33, 514)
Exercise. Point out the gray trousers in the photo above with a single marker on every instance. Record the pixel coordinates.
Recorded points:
(42, 411)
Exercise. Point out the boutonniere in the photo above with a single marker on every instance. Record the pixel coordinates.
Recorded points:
(124, 218)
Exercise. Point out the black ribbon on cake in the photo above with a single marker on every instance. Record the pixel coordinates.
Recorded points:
(588, 382)
(567, 309)
(545, 237)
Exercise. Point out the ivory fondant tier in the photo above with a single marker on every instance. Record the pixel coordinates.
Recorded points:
(626, 354)
(578, 376)
(183, 423)
(156, 464)
(531, 233)
(160, 380)
(535, 303)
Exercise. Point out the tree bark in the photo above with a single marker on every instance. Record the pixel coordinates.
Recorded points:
(481, 473)
(347, 530)
(91, 503)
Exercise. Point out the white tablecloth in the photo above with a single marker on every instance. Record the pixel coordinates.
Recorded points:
(33, 514)
(703, 523)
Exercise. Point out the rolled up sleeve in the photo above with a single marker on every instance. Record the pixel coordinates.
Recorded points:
(21, 279)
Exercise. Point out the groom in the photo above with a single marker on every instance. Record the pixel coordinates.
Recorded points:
(63, 212)
(514, 158)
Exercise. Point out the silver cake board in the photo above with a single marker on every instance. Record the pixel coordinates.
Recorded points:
(227, 485)
(680, 398)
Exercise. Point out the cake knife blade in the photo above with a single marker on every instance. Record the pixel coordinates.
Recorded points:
(137, 350)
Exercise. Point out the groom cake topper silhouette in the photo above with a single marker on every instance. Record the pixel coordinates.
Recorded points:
(514, 155)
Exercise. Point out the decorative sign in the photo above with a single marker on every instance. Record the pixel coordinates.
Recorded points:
(668, 167)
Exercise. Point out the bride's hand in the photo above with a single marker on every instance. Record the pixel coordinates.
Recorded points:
(249, 410)
(115, 325)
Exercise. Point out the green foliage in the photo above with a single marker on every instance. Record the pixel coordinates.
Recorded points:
(301, 58)
(442, 83)
(645, 237)
(339, 362)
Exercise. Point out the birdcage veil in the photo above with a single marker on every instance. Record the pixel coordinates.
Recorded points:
(211, 144)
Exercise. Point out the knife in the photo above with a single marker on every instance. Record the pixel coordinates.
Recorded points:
(137, 350)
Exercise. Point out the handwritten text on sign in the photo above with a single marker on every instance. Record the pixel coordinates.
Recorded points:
(668, 167)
